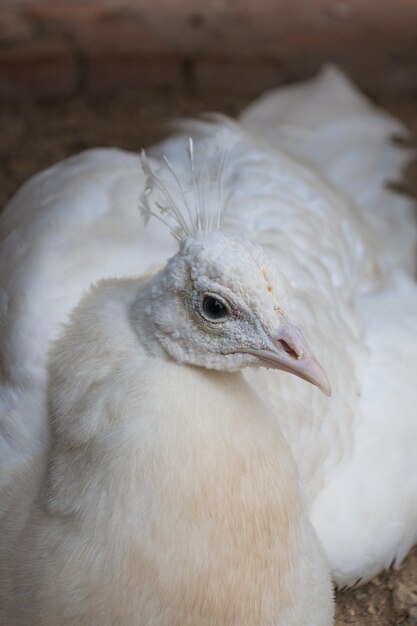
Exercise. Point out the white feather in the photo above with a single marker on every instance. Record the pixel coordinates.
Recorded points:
(198, 203)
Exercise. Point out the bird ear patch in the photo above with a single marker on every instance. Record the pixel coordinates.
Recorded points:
(194, 202)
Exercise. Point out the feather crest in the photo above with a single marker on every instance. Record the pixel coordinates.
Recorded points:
(194, 201)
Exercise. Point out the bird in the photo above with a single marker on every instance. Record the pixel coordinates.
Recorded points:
(305, 179)
(167, 494)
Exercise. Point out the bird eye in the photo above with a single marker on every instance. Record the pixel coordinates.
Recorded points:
(213, 308)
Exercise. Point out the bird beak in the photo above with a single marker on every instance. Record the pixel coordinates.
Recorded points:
(289, 352)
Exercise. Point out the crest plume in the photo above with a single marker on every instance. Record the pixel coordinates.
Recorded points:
(194, 202)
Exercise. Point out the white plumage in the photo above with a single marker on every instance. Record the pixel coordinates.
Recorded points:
(167, 495)
(308, 185)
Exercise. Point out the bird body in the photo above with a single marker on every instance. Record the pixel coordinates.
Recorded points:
(307, 184)
(168, 496)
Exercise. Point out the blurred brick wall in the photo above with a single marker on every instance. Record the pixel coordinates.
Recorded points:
(60, 47)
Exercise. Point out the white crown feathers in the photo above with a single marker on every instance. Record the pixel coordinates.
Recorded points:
(196, 200)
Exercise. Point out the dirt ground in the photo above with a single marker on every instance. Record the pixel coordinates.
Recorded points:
(37, 135)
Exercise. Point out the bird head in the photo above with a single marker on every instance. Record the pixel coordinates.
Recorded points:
(219, 303)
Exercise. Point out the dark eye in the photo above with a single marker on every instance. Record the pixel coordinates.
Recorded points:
(213, 308)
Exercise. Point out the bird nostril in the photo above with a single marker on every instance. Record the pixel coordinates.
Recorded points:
(288, 349)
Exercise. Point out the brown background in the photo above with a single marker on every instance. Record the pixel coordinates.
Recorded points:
(62, 47)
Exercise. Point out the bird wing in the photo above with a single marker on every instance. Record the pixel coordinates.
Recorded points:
(65, 229)
(363, 484)
(331, 124)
